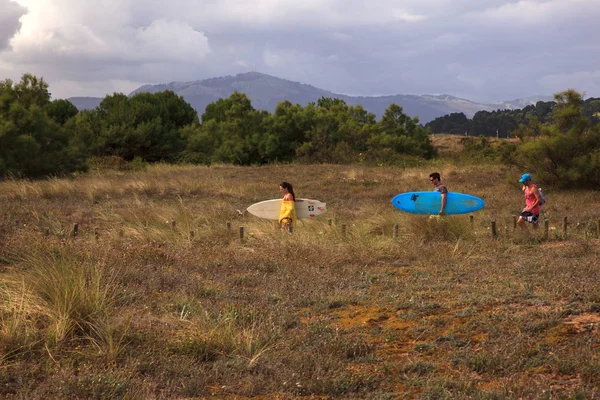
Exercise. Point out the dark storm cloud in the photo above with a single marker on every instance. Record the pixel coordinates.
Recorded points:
(10, 12)
(484, 51)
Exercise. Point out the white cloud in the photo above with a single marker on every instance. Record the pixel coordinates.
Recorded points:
(71, 41)
(51, 35)
(171, 41)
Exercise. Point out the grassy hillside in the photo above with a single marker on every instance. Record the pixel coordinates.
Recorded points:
(135, 306)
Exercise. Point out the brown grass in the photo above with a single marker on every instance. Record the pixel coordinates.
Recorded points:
(143, 310)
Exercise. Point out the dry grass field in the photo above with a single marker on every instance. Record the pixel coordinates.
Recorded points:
(136, 307)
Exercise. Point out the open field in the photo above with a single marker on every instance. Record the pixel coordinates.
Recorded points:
(135, 307)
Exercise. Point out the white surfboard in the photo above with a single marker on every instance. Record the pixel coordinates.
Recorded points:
(305, 208)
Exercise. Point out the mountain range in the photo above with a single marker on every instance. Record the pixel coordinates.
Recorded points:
(266, 91)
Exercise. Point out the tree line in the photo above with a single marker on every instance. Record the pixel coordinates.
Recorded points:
(41, 137)
(558, 141)
(504, 123)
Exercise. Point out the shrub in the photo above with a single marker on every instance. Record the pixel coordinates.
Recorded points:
(567, 152)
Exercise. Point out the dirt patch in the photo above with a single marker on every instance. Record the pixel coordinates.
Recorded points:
(358, 316)
(573, 325)
(526, 310)
(584, 322)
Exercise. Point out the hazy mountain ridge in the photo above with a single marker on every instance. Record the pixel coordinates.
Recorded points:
(267, 91)
(521, 103)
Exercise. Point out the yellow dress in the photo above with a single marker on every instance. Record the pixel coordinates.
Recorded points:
(287, 214)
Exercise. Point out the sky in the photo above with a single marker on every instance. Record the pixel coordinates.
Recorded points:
(481, 50)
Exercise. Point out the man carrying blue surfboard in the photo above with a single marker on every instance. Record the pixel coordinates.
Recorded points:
(434, 177)
(437, 203)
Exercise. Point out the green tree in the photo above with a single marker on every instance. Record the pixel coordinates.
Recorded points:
(231, 132)
(32, 91)
(326, 133)
(591, 109)
(566, 151)
(61, 110)
(147, 125)
(455, 123)
(285, 130)
(34, 139)
(402, 134)
(329, 102)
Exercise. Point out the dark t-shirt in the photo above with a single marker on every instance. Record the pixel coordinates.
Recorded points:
(440, 188)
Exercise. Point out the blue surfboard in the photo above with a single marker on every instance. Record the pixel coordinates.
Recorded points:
(431, 202)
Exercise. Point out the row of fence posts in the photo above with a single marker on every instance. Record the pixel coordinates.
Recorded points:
(546, 227)
(471, 220)
(494, 229)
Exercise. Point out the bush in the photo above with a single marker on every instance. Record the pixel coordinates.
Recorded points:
(567, 151)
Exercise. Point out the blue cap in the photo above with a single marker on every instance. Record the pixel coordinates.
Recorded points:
(525, 177)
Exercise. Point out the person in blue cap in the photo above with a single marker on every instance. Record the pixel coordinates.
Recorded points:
(531, 212)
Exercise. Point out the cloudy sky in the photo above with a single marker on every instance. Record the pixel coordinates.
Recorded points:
(482, 50)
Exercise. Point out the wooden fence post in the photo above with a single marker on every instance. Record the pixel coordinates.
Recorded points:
(241, 233)
(494, 232)
(228, 226)
(75, 229)
(565, 227)
(395, 231)
(471, 220)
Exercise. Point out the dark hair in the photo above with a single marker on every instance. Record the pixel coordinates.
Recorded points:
(289, 188)
(435, 175)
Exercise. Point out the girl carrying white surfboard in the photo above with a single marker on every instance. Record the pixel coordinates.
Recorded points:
(287, 214)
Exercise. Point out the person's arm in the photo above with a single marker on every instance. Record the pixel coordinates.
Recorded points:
(536, 193)
(444, 194)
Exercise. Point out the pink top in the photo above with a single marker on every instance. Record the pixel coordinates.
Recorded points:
(530, 198)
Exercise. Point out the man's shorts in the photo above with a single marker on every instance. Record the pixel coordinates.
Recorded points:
(530, 217)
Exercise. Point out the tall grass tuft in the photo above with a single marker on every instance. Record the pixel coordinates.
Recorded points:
(236, 333)
(18, 333)
(63, 296)
(435, 228)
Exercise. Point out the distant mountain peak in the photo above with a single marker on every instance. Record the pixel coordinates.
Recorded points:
(266, 91)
